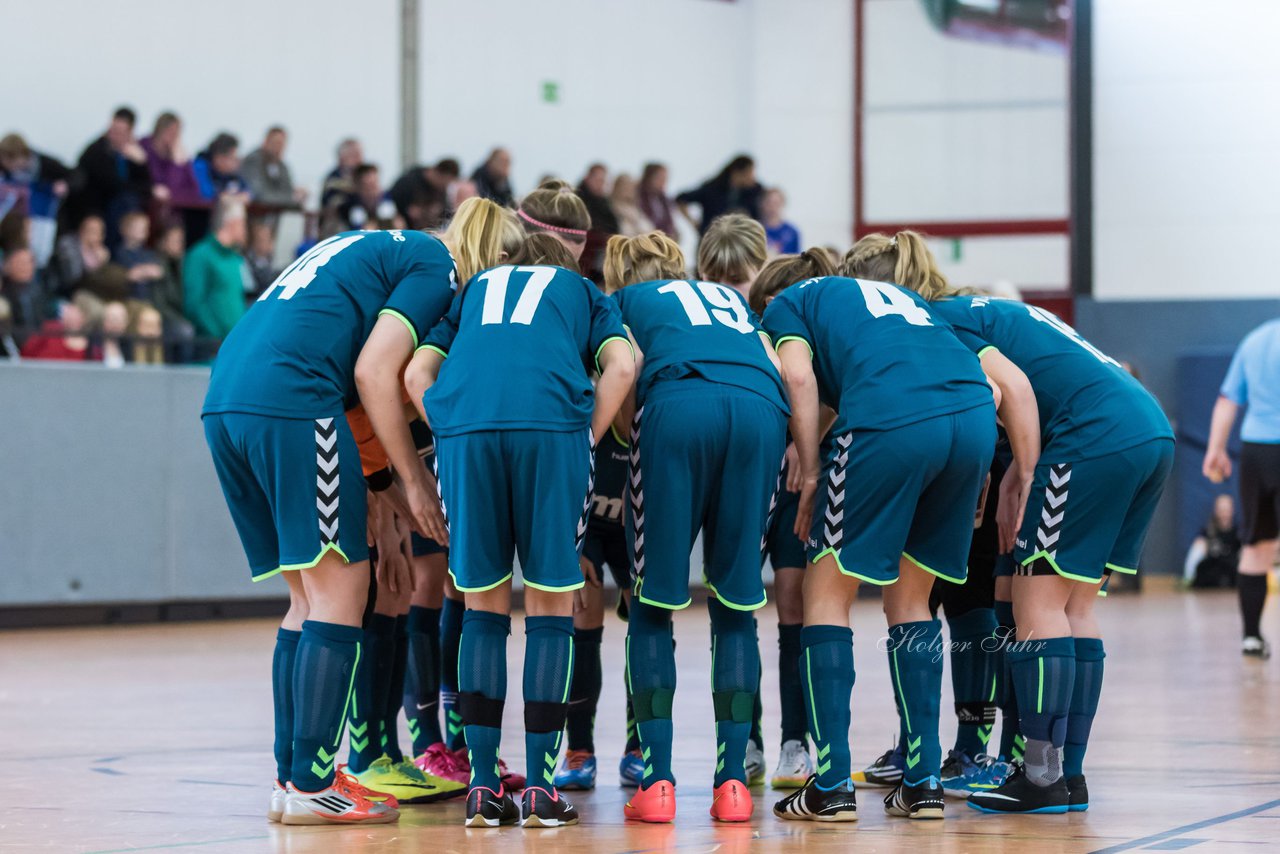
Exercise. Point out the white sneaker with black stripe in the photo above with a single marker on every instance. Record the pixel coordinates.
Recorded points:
(341, 803)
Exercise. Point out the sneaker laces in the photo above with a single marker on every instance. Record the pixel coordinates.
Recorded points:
(348, 785)
(575, 759)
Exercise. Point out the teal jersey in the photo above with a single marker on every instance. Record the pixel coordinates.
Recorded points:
(520, 343)
(698, 329)
(882, 359)
(1089, 405)
(293, 354)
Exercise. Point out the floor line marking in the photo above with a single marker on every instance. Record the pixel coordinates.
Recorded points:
(179, 845)
(1187, 828)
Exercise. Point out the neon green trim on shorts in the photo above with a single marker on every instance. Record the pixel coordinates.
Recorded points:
(548, 589)
(840, 566)
(294, 567)
(605, 343)
(433, 348)
(777, 345)
(733, 605)
(935, 572)
(462, 589)
(1122, 569)
(1054, 563)
(413, 333)
(663, 605)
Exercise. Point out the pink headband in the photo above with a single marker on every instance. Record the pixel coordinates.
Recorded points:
(574, 232)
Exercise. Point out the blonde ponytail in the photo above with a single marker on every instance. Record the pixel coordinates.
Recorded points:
(644, 258)
(903, 259)
(480, 235)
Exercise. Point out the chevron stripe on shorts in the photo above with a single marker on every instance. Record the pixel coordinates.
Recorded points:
(833, 518)
(1054, 510)
(635, 495)
(586, 504)
(327, 480)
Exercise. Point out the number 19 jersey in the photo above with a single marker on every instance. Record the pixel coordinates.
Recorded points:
(698, 329)
(293, 354)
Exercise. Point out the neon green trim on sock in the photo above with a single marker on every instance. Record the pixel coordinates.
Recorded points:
(605, 343)
(462, 589)
(413, 333)
(549, 589)
(777, 345)
(621, 441)
(995, 680)
(1054, 563)
(434, 349)
(936, 573)
(1122, 569)
(878, 582)
(567, 681)
(897, 686)
(733, 605)
(293, 567)
(1040, 690)
(813, 704)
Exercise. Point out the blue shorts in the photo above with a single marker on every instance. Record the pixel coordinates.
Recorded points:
(908, 492)
(781, 545)
(295, 488)
(1089, 516)
(515, 493)
(703, 456)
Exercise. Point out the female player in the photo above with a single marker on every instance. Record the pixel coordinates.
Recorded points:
(1107, 450)
(515, 421)
(343, 317)
(917, 426)
(706, 447)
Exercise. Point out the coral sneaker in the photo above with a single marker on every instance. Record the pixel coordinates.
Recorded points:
(655, 804)
(344, 802)
(732, 802)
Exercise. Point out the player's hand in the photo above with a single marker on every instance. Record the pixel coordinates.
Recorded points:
(1217, 465)
(425, 510)
(392, 570)
(794, 477)
(1011, 507)
(804, 511)
(589, 576)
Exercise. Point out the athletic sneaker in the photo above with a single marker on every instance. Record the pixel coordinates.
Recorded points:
(794, 766)
(1256, 647)
(540, 808)
(731, 801)
(344, 802)
(754, 763)
(405, 782)
(810, 803)
(922, 801)
(962, 776)
(511, 781)
(487, 808)
(1018, 794)
(1077, 794)
(578, 771)
(655, 804)
(885, 771)
(439, 761)
(278, 795)
(631, 769)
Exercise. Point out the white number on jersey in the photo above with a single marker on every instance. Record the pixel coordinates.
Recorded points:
(300, 273)
(727, 306)
(495, 294)
(1057, 323)
(889, 301)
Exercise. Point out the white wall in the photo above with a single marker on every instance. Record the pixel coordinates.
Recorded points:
(1186, 130)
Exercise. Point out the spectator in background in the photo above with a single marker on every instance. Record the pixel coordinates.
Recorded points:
(654, 201)
(340, 183)
(421, 194)
(734, 190)
(1215, 552)
(592, 190)
(169, 164)
(261, 258)
(167, 295)
(115, 349)
(111, 176)
(783, 237)
(139, 261)
(626, 209)
(267, 175)
(215, 273)
(493, 178)
(81, 254)
(63, 339)
(460, 191)
(370, 207)
(146, 335)
(43, 181)
(20, 287)
(8, 346)
(217, 168)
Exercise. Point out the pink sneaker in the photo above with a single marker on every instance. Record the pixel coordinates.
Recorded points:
(439, 761)
(512, 781)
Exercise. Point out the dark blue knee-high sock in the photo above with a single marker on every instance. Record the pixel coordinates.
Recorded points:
(972, 678)
(482, 691)
(827, 674)
(1011, 741)
(584, 691)
(651, 666)
(735, 687)
(1044, 675)
(282, 694)
(394, 693)
(323, 676)
(915, 666)
(450, 638)
(422, 684)
(790, 689)
(1084, 703)
(633, 732)
(548, 669)
(364, 718)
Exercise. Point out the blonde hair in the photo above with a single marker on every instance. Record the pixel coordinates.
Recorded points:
(555, 208)
(546, 250)
(479, 235)
(733, 250)
(643, 258)
(784, 271)
(903, 259)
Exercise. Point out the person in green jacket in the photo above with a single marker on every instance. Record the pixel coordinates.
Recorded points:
(214, 273)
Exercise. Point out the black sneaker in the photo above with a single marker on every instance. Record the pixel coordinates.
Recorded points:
(542, 808)
(885, 771)
(809, 803)
(487, 808)
(1077, 794)
(1255, 647)
(922, 801)
(1018, 794)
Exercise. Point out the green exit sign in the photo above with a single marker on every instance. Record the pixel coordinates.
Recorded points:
(551, 91)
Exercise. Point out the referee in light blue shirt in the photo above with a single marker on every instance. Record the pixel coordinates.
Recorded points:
(1253, 381)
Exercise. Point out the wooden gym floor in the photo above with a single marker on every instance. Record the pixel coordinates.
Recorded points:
(158, 738)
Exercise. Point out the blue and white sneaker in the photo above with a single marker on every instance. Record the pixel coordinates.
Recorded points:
(631, 770)
(578, 772)
(962, 776)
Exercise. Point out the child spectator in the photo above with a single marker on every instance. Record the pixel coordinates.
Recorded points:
(138, 260)
(115, 349)
(147, 337)
(783, 237)
(1215, 552)
(167, 295)
(63, 339)
(81, 253)
(261, 258)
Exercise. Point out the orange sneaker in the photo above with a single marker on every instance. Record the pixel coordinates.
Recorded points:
(361, 789)
(655, 804)
(732, 802)
(344, 802)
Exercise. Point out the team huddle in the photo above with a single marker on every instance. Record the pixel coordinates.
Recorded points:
(461, 400)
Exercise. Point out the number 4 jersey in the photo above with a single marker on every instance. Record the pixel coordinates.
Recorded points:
(293, 355)
(881, 358)
(1089, 405)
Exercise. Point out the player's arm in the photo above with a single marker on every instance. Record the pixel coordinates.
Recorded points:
(422, 373)
(802, 387)
(1217, 462)
(616, 385)
(627, 412)
(770, 352)
(1018, 413)
(378, 382)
